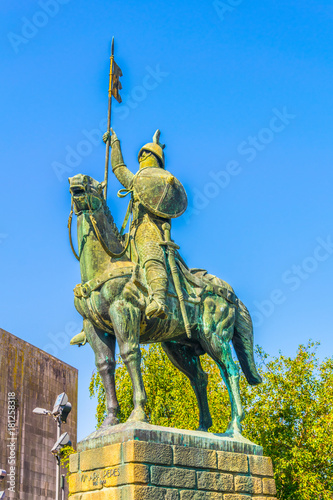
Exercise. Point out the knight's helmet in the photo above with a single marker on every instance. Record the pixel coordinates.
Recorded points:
(155, 147)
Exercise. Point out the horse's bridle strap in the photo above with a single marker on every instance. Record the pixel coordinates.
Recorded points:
(69, 225)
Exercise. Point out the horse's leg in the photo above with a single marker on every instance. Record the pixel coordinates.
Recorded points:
(187, 361)
(216, 344)
(126, 322)
(103, 346)
(220, 351)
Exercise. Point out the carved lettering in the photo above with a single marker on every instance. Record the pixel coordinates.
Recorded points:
(95, 478)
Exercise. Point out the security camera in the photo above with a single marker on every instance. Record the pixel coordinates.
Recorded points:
(62, 441)
(65, 411)
(3, 474)
(60, 402)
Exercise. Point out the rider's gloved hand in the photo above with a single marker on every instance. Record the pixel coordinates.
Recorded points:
(106, 137)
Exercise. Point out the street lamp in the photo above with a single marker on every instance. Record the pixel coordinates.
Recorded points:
(60, 443)
(60, 413)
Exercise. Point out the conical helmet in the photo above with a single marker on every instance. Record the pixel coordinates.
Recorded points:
(155, 147)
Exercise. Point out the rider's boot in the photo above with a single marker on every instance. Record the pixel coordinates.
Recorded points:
(157, 280)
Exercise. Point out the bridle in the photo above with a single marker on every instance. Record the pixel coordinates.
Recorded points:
(96, 229)
(69, 225)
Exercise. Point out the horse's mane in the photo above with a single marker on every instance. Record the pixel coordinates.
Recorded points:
(112, 223)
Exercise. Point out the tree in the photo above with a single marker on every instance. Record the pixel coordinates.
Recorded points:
(290, 414)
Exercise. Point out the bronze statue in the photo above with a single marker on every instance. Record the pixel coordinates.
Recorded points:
(137, 288)
(116, 296)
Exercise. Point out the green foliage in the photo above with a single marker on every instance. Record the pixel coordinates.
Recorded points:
(290, 414)
(96, 388)
(65, 453)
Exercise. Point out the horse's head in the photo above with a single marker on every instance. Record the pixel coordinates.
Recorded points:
(87, 197)
(87, 193)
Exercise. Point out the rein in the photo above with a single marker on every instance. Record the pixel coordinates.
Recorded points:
(99, 236)
(97, 231)
(69, 225)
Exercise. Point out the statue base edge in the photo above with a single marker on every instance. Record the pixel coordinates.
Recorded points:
(143, 431)
(138, 461)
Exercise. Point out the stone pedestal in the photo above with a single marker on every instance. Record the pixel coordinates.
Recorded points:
(139, 461)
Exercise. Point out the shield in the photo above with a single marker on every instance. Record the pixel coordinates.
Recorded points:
(160, 192)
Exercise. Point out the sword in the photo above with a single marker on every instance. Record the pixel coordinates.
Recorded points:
(172, 247)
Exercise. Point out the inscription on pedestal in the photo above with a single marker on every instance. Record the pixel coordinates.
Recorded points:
(99, 478)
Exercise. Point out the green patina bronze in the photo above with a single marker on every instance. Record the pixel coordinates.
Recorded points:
(137, 289)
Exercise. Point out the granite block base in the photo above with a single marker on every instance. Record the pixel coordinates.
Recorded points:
(138, 461)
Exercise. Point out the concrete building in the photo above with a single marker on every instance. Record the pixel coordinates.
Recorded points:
(30, 378)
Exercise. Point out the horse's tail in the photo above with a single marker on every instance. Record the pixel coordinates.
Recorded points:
(243, 344)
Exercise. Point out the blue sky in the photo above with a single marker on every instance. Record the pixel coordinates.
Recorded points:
(243, 97)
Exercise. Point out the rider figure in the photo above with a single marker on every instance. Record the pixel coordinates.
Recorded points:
(146, 228)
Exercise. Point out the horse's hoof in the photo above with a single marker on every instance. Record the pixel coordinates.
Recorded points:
(137, 415)
(205, 425)
(232, 433)
(109, 421)
(234, 430)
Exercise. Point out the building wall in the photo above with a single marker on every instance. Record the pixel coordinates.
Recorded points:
(30, 378)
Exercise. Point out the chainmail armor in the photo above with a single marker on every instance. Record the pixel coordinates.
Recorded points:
(148, 236)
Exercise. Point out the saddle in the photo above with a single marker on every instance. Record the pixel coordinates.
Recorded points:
(196, 284)
(201, 283)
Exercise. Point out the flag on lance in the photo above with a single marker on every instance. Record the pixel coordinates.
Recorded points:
(116, 84)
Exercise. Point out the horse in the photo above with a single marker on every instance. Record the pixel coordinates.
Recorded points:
(112, 298)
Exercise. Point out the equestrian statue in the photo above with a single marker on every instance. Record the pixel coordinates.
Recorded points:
(136, 288)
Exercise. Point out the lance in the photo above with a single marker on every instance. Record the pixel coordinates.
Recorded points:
(107, 153)
(114, 87)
